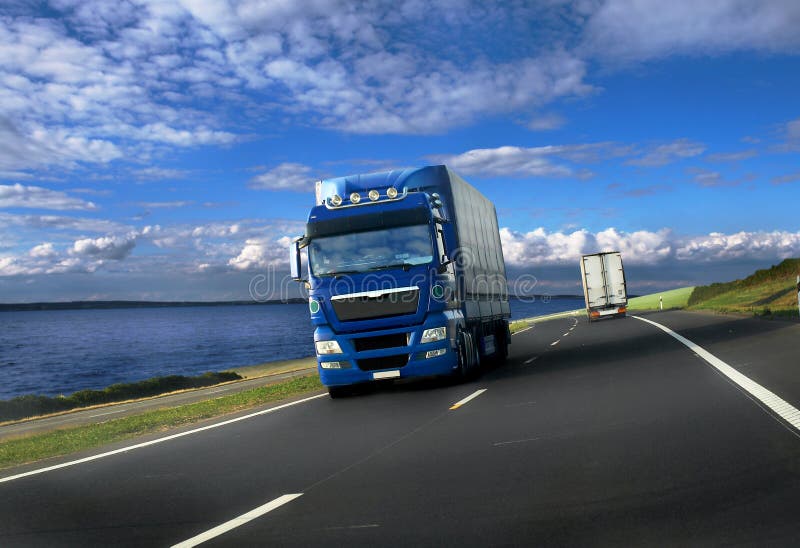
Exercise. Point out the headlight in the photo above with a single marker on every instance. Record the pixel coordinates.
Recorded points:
(328, 347)
(435, 334)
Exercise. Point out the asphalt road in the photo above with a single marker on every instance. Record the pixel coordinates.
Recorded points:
(617, 434)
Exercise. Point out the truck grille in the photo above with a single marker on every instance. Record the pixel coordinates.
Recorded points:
(382, 341)
(387, 362)
(383, 306)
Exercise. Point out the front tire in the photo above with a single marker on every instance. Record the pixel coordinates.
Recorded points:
(467, 359)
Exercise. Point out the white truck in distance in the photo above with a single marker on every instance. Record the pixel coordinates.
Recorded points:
(604, 285)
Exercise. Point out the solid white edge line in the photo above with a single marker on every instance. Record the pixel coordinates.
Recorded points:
(159, 440)
(779, 406)
(237, 522)
(472, 396)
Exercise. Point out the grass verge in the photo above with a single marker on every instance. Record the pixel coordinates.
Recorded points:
(274, 368)
(33, 405)
(768, 292)
(18, 451)
(675, 298)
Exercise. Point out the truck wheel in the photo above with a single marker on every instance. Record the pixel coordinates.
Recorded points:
(500, 345)
(467, 359)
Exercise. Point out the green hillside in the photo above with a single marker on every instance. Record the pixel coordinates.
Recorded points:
(674, 298)
(768, 291)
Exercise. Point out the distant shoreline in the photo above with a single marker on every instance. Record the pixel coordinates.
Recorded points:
(109, 305)
(104, 305)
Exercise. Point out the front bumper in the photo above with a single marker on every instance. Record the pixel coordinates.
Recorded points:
(366, 365)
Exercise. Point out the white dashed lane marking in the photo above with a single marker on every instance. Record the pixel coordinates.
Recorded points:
(238, 521)
(469, 398)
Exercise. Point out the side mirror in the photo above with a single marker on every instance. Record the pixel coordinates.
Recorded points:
(294, 261)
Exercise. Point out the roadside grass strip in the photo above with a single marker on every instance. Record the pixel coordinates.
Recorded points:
(767, 398)
(63, 442)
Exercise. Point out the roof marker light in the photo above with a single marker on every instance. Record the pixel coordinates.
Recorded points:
(374, 195)
(336, 200)
(391, 192)
(355, 197)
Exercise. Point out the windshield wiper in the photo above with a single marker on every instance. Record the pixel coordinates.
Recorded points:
(339, 273)
(406, 266)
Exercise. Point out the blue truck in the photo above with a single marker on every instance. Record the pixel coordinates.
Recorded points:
(406, 277)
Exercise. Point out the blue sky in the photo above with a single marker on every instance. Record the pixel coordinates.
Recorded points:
(153, 150)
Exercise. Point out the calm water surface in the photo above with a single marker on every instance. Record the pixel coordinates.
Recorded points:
(55, 352)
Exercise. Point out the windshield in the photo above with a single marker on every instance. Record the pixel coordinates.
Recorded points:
(368, 251)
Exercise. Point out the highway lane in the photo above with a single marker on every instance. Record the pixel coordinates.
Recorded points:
(767, 351)
(615, 434)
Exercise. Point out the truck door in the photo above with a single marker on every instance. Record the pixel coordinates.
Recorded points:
(595, 281)
(615, 280)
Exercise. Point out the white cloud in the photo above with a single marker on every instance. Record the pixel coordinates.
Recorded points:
(793, 131)
(544, 161)
(43, 251)
(36, 197)
(41, 145)
(260, 253)
(167, 205)
(106, 247)
(540, 247)
(76, 98)
(159, 173)
(707, 178)
(60, 222)
(217, 230)
(732, 156)
(668, 153)
(286, 176)
(632, 30)
(507, 160)
(99, 81)
(241, 245)
(162, 133)
(112, 85)
(787, 178)
(741, 245)
(10, 266)
(546, 122)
